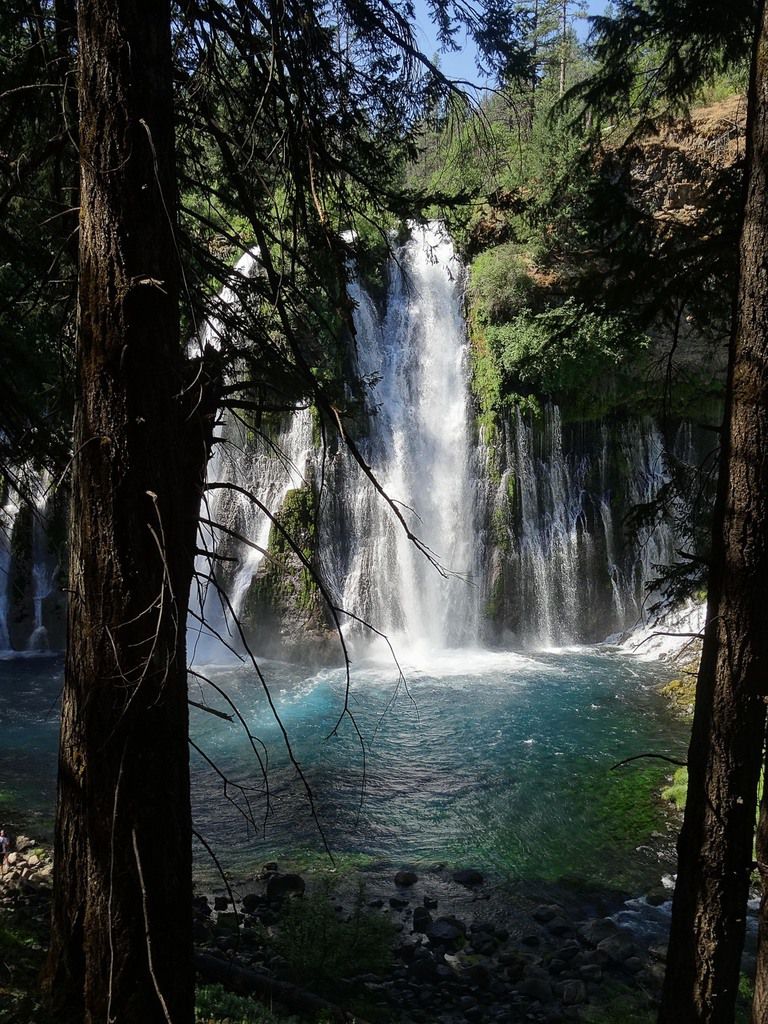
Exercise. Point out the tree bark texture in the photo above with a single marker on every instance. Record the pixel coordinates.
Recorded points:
(121, 946)
(725, 754)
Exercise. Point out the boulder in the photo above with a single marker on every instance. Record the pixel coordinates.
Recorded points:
(422, 970)
(422, 919)
(279, 886)
(617, 948)
(468, 877)
(251, 902)
(201, 906)
(446, 931)
(545, 913)
(593, 932)
(228, 922)
(591, 972)
(573, 993)
(406, 878)
(560, 926)
(537, 989)
(569, 950)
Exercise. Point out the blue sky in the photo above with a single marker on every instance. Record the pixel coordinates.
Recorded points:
(462, 63)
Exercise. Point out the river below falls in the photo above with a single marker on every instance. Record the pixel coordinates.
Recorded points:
(494, 760)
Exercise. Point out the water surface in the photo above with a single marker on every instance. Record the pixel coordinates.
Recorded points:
(492, 759)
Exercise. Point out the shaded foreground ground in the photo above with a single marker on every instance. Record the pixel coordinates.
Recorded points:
(423, 947)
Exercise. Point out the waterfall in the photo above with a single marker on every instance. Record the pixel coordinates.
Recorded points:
(261, 466)
(550, 536)
(530, 540)
(419, 443)
(31, 606)
(267, 468)
(44, 568)
(9, 510)
(527, 530)
(572, 571)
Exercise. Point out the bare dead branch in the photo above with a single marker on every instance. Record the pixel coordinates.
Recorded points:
(659, 757)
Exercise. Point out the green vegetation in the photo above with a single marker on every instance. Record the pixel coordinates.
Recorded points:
(681, 692)
(285, 580)
(620, 1004)
(577, 287)
(23, 942)
(214, 1005)
(677, 792)
(321, 948)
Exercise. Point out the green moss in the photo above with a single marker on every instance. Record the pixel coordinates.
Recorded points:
(499, 530)
(630, 805)
(511, 484)
(677, 792)
(318, 863)
(494, 606)
(681, 692)
(744, 999)
(285, 581)
(501, 284)
(485, 383)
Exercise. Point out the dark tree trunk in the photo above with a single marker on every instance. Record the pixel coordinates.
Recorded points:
(715, 846)
(121, 946)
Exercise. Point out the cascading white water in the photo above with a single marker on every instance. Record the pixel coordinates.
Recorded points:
(575, 571)
(261, 468)
(421, 449)
(266, 469)
(44, 569)
(550, 512)
(539, 551)
(29, 564)
(8, 513)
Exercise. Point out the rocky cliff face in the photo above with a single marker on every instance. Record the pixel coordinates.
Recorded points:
(671, 172)
(684, 181)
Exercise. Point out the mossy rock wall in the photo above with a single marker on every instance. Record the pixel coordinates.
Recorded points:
(284, 614)
(564, 561)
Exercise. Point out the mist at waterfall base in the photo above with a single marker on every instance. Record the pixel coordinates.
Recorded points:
(485, 758)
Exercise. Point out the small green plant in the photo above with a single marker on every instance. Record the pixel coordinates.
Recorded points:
(744, 999)
(619, 1005)
(320, 948)
(214, 1005)
(678, 791)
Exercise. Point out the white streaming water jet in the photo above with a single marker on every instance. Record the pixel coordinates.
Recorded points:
(44, 570)
(420, 447)
(267, 468)
(9, 510)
